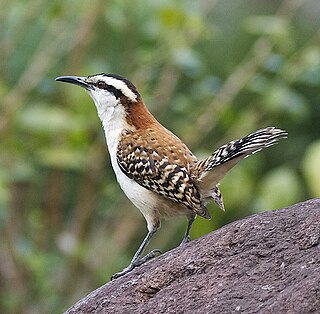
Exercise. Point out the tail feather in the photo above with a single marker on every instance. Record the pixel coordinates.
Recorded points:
(211, 170)
(203, 212)
(217, 197)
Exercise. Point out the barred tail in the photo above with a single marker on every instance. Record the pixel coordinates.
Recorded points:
(211, 170)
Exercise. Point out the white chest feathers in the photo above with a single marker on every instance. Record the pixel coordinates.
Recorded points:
(113, 120)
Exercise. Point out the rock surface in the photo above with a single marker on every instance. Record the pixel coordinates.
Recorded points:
(265, 263)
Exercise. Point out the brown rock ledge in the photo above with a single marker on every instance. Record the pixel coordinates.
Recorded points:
(265, 263)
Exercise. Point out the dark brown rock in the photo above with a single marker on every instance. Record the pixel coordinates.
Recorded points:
(266, 263)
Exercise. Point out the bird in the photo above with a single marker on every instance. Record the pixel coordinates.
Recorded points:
(155, 168)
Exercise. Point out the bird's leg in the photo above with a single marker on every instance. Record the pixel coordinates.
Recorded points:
(137, 259)
(187, 237)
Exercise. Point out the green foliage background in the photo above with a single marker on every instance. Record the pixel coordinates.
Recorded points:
(211, 71)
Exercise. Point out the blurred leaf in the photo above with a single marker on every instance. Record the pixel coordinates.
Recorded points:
(310, 76)
(277, 28)
(311, 168)
(271, 25)
(187, 61)
(4, 197)
(305, 68)
(259, 84)
(62, 158)
(310, 73)
(209, 86)
(280, 187)
(283, 99)
(42, 118)
(172, 17)
(274, 63)
(116, 17)
(22, 171)
(311, 56)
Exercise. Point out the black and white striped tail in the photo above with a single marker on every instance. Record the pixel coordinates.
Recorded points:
(244, 147)
(210, 172)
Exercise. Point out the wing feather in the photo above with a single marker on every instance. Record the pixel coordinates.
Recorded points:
(155, 172)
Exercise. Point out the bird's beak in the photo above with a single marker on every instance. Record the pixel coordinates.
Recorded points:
(77, 80)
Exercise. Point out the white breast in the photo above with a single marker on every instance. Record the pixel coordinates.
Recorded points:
(146, 201)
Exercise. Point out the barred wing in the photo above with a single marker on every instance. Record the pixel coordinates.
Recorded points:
(156, 173)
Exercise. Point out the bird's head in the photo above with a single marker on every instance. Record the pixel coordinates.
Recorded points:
(115, 97)
(107, 90)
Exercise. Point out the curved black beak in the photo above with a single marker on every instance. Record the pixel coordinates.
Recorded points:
(77, 80)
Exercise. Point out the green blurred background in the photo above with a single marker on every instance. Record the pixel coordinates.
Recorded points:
(211, 71)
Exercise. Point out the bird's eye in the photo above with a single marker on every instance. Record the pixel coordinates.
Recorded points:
(101, 85)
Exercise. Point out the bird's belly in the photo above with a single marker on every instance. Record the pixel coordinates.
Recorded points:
(152, 205)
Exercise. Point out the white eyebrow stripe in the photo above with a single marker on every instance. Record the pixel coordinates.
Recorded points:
(122, 86)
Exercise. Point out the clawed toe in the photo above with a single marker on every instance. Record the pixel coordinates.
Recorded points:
(136, 263)
(123, 272)
(185, 240)
(149, 256)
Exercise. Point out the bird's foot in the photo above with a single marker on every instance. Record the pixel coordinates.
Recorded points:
(123, 272)
(136, 263)
(149, 256)
(185, 240)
